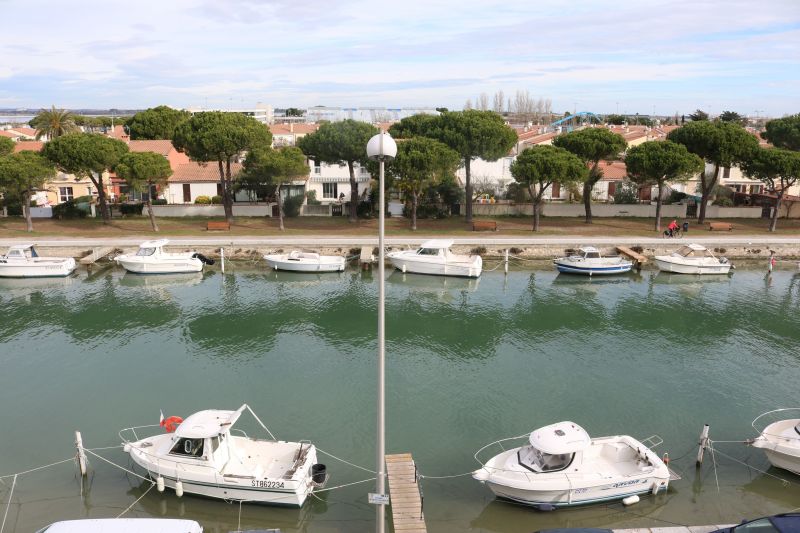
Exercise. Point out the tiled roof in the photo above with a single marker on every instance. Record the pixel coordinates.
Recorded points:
(163, 147)
(293, 129)
(193, 172)
(118, 132)
(9, 134)
(33, 146)
(613, 170)
(25, 132)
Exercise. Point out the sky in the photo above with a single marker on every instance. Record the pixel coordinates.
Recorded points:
(627, 56)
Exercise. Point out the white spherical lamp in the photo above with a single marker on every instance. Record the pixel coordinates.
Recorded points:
(381, 147)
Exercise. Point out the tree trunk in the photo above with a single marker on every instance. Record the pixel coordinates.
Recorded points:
(353, 193)
(536, 199)
(414, 203)
(26, 209)
(279, 198)
(774, 222)
(658, 208)
(468, 190)
(105, 212)
(706, 189)
(227, 198)
(587, 191)
(150, 210)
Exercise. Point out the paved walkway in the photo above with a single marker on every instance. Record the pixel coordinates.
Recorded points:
(484, 240)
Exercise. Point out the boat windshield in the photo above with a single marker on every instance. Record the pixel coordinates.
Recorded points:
(537, 461)
(428, 251)
(188, 447)
(146, 251)
(592, 255)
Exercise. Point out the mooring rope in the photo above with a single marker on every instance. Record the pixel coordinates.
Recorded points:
(137, 500)
(37, 468)
(785, 482)
(8, 504)
(118, 466)
(345, 462)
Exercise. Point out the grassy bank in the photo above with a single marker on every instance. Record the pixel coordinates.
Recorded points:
(14, 227)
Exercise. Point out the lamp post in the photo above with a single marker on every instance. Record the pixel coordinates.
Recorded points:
(381, 147)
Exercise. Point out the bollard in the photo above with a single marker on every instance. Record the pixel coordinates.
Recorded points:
(703, 444)
(81, 453)
(505, 267)
(222, 259)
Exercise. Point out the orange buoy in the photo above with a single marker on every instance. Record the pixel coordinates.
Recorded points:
(171, 424)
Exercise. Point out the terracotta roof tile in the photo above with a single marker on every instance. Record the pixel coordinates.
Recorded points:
(34, 146)
(194, 171)
(10, 135)
(163, 147)
(299, 128)
(613, 170)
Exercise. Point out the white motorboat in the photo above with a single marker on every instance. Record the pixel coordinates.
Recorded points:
(152, 259)
(562, 466)
(300, 261)
(589, 262)
(693, 259)
(23, 261)
(124, 525)
(201, 456)
(434, 257)
(780, 440)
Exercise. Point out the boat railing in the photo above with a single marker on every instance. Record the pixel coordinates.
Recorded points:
(125, 433)
(772, 414)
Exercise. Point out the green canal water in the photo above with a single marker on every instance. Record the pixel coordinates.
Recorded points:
(468, 362)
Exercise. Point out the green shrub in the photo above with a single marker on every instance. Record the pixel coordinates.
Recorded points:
(311, 197)
(216, 199)
(203, 200)
(676, 196)
(364, 209)
(724, 202)
(65, 210)
(626, 193)
(291, 206)
(84, 199)
(131, 209)
(159, 201)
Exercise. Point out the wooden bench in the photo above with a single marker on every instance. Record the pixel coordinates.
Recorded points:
(720, 226)
(484, 225)
(218, 226)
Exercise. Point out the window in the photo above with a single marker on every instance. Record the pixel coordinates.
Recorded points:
(317, 167)
(190, 447)
(762, 525)
(65, 194)
(428, 251)
(330, 190)
(144, 252)
(537, 461)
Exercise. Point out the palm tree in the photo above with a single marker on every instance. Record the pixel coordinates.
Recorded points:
(53, 123)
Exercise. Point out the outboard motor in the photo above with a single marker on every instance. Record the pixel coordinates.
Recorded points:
(318, 473)
(204, 259)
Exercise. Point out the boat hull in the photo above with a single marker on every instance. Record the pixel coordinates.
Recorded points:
(330, 264)
(51, 268)
(166, 266)
(570, 267)
(665, 264)
(781, 444)
(460, 269)
(580, 496)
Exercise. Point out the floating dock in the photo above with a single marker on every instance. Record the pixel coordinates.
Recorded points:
(366, 258)
(406, 499)
(638, 259)
(96, 254)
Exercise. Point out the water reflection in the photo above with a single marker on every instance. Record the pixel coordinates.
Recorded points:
(22, 287)
(163, 281)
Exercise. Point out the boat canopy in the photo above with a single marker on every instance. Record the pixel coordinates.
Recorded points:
(208, 424)
(21, 247)
(154, 244)
(587, 249)
(561, 437)
(125, 525)
(437, 244)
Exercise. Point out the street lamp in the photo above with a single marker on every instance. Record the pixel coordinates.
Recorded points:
(381, 148)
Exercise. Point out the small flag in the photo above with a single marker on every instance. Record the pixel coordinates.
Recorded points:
(161, 420)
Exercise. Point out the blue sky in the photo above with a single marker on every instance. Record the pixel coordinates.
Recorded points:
(595, 55)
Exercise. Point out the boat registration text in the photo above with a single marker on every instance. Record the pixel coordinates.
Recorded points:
(267, 484)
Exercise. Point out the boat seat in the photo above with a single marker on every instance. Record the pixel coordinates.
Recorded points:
(617, 452)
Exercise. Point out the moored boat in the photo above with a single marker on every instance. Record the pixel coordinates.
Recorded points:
(693, 259)
(24, 261)
(201, 456)
(302, 261)
(562, 466)
(124, 525)
(588, 262)
(780, 440)
(434, 257)
(152, 259)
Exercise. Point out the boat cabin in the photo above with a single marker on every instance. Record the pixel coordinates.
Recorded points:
(553, 448)
(149, 248)
(22, 252)
(435, 247)
(205, 436)
(694, 251)
(589, 252)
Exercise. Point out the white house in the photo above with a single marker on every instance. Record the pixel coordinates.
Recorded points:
(193, 179)
(331, 183)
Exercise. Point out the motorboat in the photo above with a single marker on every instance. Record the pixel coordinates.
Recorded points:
(588, 262)
(152, 259)
(24, 261)
(124, 525)
(693, 259)
(200, 455)
(434, 257)
(562, 466)
(780, 440)
(302, 261)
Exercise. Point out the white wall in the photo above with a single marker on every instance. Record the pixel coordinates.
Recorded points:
(174, 191)
(338, 174)
(193, 210)
(577, 210)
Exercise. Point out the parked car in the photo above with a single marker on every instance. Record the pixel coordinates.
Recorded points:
(779, 523)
